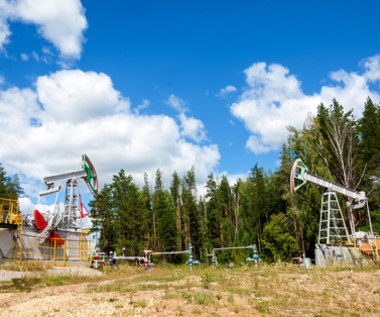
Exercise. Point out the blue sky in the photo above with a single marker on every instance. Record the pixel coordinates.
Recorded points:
(147, 85)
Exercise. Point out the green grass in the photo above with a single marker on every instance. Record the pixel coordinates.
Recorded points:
(207, 279)
(25, 284)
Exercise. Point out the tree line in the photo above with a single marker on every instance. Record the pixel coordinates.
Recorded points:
(257, 210)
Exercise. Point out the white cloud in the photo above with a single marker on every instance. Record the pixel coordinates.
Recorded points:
(24, 57)
(25, 205)
(60, 22)
(77, 96)
(256, 146)
(227, 91)
(4, 33)
(192, 128)
(143, 105)
(45, 131)
(274, 100)
(372, 68)
(176, 103)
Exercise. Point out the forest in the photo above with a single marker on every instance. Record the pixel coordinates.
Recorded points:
(257, 210)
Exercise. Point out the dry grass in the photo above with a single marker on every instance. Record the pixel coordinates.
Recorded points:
(25, 266)
(279, 290)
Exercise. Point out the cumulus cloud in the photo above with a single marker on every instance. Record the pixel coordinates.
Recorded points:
(192, 128)
(75, 96)
(274, 100)
(143, 105)
(227, 91)
(26, 205)
(45, 130)
(372, 68)
(176, 103)
(60, 22)
(4, 33)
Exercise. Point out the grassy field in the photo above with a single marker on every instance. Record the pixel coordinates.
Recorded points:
(268, 290)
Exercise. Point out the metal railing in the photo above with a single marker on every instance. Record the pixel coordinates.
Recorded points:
(74, 251)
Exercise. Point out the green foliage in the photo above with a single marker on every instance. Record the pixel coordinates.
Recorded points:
(278, 241)
(213, 212)
(25, 284)
(176, 196)
(207, 279)
(9, 186)
(167, 230)
(146, 212)
(369, 135)
(103, 217)
(258, 210)
(191, 212)
(118, 212)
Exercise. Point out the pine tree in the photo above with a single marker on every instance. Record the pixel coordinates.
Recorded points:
(176, 196)
(247, 233)
(205, 244)
(259, 203)
(369, 131)
(129, 219)
(191, 212)
(225, 202)
(213, 213)
(157, 207)
(146, 211)
(9, 186)
(166, 229)
(103, 218)
(369, 152)
(278, 240)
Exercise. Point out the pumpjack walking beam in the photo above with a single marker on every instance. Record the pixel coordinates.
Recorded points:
(300, 172)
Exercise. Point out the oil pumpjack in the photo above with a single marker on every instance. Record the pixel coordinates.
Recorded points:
(52, 233)
(69, 218)
(335, 242)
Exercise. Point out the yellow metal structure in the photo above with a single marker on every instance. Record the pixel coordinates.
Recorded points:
(9, 213)
(59, 253)
(85, 245)
(10, 217)
(74, 251)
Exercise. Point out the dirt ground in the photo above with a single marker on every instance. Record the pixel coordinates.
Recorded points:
(247, 291)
